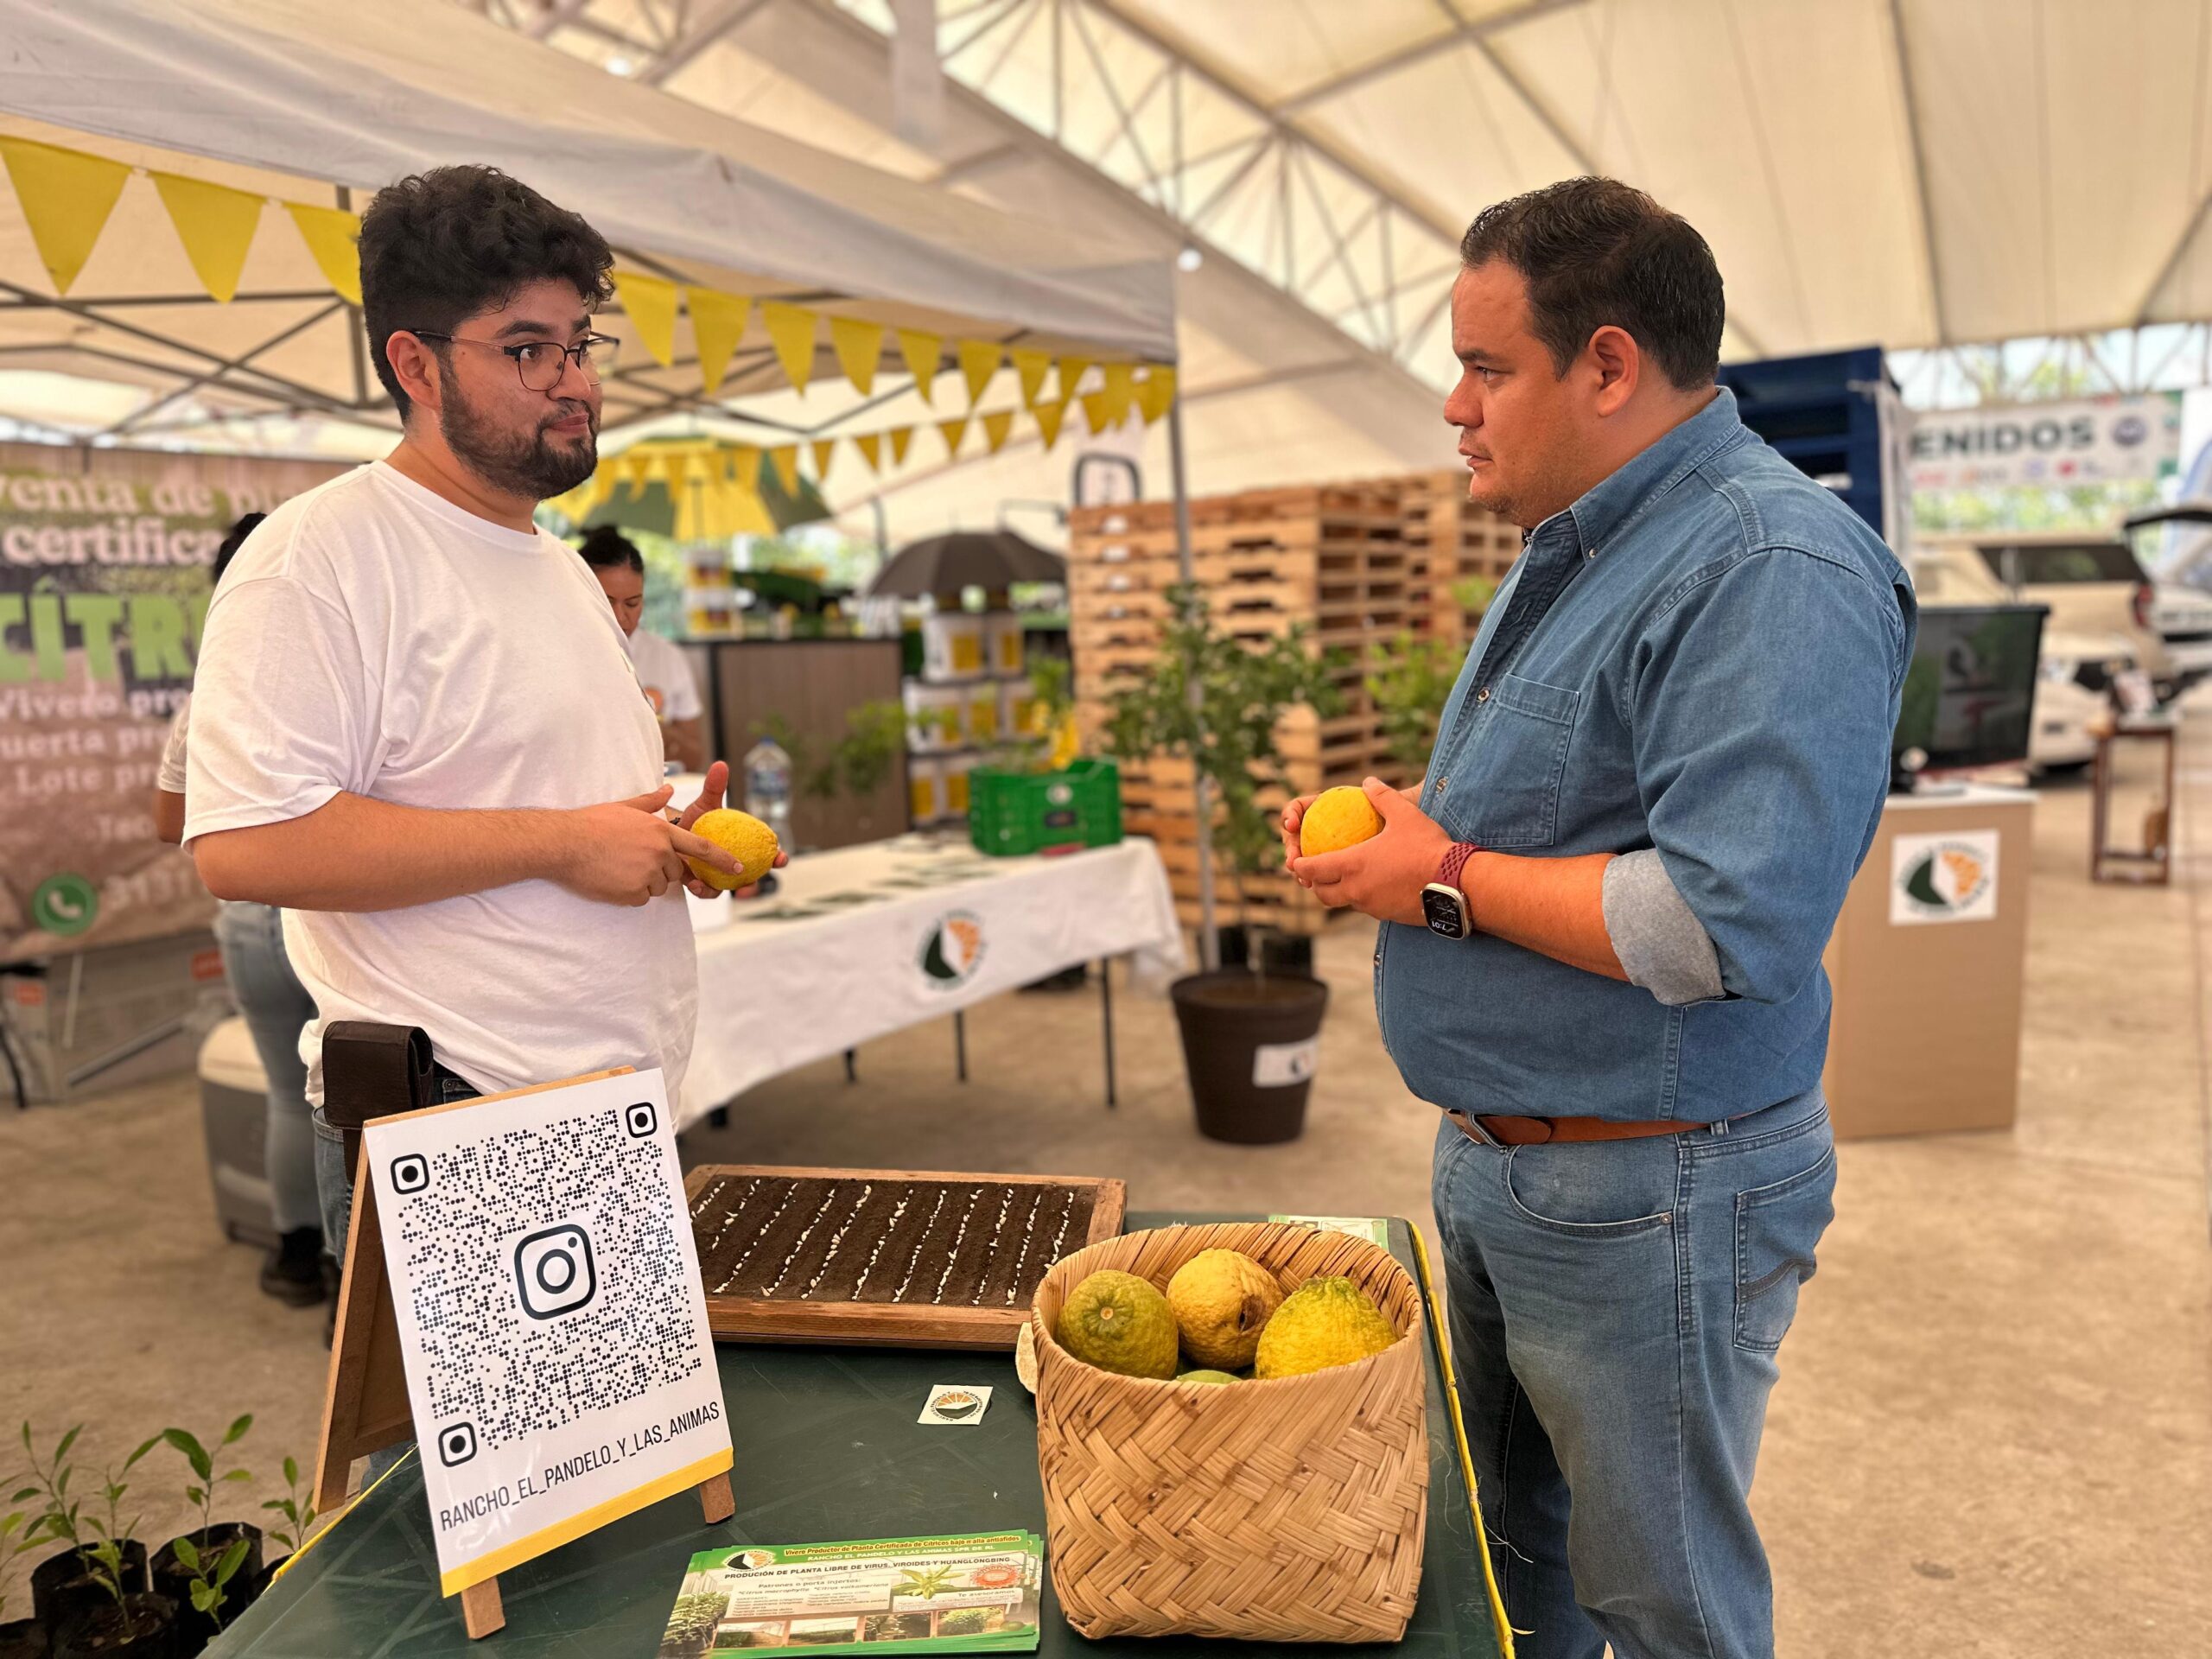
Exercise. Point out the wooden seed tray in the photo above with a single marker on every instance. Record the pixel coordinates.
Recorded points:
(886, 1258)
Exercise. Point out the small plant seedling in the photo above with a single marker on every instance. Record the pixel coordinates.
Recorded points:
(296, 1507)
(926, 1582)
(10, 1524)
(210, 1577)
(55, 1520)
(104, 1532)
(210, 1573)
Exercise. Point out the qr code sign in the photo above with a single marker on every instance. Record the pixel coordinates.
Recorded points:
(546, 1290)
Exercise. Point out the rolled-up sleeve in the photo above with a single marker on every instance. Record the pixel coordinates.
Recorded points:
(280, 713)
(1763, 703)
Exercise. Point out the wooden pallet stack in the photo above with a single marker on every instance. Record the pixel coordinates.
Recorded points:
(1358, 563)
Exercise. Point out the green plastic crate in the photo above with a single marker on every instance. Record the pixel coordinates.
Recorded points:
(1013, 813)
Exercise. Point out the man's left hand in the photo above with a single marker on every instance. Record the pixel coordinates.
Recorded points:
(1382, 876)
(711, 800)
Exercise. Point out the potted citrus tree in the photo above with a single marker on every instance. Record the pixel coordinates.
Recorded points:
(1249, 1037)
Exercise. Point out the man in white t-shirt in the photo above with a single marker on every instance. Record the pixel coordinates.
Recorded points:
(661, 669)
(414, 724)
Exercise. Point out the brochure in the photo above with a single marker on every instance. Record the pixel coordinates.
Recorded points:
(961, 1593)
(1375, 1229)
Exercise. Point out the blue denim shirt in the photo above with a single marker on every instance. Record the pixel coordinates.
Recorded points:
(1704, 655)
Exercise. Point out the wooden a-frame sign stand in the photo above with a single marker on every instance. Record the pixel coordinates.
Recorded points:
(371, 1071)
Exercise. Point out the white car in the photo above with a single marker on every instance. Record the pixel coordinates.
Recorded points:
(2074, 676)
(2183, 619)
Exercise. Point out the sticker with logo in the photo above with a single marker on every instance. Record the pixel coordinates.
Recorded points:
(65, 904)
(1943, 878)
(953, 949)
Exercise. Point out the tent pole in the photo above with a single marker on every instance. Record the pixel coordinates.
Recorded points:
(1209, 941)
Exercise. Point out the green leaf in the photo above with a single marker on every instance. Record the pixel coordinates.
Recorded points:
(291, 1472)
(236, 1430)
(186, 1552)
(67, 1440)
(25, 1496)
(194, 1495)
(237, 1474)
(203, 1596)
(233, 1557)
(194, 1453)
(142, 1450)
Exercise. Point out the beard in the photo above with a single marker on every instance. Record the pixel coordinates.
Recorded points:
(531, 462)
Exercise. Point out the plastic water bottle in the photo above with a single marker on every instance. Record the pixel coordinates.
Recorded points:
(768, 787)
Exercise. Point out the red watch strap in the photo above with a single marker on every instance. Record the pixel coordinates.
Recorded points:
(1455, 859)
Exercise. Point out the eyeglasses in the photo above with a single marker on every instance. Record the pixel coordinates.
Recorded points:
(539, 362)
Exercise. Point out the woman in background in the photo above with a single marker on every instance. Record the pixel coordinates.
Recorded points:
(270, 995)
(661, 668)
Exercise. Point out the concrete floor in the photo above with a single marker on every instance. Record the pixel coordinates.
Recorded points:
(1992, 1436)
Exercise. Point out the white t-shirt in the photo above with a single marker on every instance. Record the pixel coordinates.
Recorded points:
(374, 638)
(169, 775)
(665, 673)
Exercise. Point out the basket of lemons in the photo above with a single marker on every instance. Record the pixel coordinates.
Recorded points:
(1233, 1434)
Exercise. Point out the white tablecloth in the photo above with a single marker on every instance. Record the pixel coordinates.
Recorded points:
(867, 940)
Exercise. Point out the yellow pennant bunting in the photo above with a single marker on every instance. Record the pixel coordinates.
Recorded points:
(332, 235)
(635, 468)
(1120, 390)
(650, 303)
(657, 468)
(1032, 365)
(745, 468)
(996, 428)
(858, 347)
(1157, 394)
(824, 449)
(1049, 416)
(870, 444)
(66, 197)
(1097, 411)
(216, 224)
(921, 353)
(954, 431)
(717, 325)
(900, 437)
(1072, 369)
(979, 361)
(790, 331)
(784, 459)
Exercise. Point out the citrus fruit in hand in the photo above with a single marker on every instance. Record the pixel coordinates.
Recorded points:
(1323, 1322)
(1119, 1323)
(1338, 818)
(745, 838)
(1223, 1300)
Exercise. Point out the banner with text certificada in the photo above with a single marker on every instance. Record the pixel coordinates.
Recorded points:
(104, 590)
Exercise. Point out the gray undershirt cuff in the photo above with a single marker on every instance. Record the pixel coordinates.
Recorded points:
(1657, 937)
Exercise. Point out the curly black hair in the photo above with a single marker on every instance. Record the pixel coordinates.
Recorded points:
(605, 548)
(439, 247)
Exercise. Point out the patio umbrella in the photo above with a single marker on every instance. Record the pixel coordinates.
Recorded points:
(941, 566)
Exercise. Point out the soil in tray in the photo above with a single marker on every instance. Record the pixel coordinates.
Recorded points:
(921, 1244)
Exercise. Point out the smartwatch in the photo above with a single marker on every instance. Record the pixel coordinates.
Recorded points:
(1443, 907)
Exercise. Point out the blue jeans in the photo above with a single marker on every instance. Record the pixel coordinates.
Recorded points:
(275, 1005)
(1616, 1308)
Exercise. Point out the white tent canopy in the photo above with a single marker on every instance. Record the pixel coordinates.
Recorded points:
(304, 101)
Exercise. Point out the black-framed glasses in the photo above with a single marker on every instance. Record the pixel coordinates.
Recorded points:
(539, 361)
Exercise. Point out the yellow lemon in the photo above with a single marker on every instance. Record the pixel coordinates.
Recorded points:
(1323, 1322)
(1223, 1300)
(1338, 818)
(745, 838)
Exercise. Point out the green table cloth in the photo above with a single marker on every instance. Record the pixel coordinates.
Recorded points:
(828, 1447)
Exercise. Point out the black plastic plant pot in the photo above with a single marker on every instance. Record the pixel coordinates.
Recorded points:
(1250, 1047)
(144, 1627)
(23, 1638)
(63, 1586)
(195, 1630)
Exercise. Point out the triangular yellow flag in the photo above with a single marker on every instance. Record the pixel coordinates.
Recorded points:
(979, 361)
(870, 444)
(858, 347)
(216, 224)
(636, 468)
(954, 431)
(790, 331)
(67, 196)
(1157, 394)
(1049, 416)
(1072, 369)
(1032, 365)
(650, 303)
(824, 449)
(900, 437)
(717, 324)
(996, 428)
(332, 235)
(1097, 412)
(921, 353)
(744, 468)
(784, 459)
(1120, 391)
(657, 467)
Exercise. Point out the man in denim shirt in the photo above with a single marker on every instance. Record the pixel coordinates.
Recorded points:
(1663, 761)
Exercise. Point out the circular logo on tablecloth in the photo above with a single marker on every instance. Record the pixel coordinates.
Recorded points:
(1950, 878)
(953, 949)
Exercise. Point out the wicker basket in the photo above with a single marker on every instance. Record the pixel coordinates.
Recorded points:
(1290, 1511)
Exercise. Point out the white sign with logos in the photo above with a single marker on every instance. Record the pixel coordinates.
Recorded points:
(2056, 444)
(1277, 1065)
(1942, 877)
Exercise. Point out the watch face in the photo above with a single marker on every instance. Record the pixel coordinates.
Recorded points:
(1445, 912)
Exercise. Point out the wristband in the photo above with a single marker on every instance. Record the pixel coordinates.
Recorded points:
(1455, 859)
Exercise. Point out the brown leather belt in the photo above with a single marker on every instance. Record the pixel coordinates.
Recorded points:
(1539, 1131)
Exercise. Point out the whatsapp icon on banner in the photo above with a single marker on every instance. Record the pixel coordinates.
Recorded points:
(65, 904)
